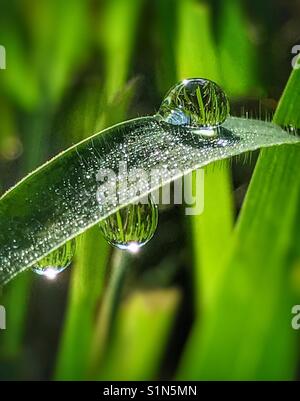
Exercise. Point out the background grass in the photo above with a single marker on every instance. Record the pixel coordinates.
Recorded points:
(210, 296)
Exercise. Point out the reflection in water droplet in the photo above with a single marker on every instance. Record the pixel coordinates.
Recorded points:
(56, 261)
(291, 129)
(195, 103)
(132, 226)
(207, 132)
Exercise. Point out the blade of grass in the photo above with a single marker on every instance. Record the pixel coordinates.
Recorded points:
(140, 335)
(208, 247)
(195, 53)
(107, 311)
(85, 291)
(111, 296)
(65, 191)
(287, 112)
(58, 45)
(101, 110)
(166, 39)
(197, 56)
(248, 333)
(117, 37)
(27, 91)
(238, 75)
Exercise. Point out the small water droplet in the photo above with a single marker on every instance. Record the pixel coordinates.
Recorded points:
(57, 261)
(195, 103)
(132, 226)
(291, 129)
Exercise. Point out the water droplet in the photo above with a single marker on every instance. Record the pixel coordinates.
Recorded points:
(57, 261)
(195, 103)
(132, 226)
(291, 129)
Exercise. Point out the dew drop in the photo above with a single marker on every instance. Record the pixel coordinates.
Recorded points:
(57, 261)
(195, 103)
(132, 226)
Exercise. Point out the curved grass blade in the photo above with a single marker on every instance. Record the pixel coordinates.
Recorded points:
(197, 38)
(58, 201)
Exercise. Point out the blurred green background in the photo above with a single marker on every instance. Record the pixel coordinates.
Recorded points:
(173, 311)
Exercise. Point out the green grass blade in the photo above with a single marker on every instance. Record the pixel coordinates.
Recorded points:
(117, 37)
(94, 254)
(166, 35)
(140, 335)
(196, 38)
(248, 333)
(208, 247)
(287, 113)
(254, 300)
(32, 85)
(58, 45)
(14, 297)
(107, 311)
(195, 50)
(59, 200)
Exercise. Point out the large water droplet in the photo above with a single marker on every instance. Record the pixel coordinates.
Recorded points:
(132, 226)
(195, 103)
(57, 261)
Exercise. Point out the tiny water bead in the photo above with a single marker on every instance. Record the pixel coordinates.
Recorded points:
(57, 261)
(132, 226)
(195, 103)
